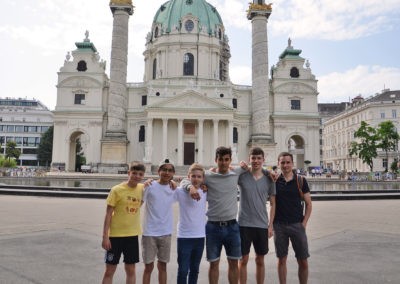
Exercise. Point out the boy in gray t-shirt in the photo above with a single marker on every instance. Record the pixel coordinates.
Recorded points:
(255, 226)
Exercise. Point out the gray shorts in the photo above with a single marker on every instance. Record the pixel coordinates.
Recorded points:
(296, 233)
(156, 246)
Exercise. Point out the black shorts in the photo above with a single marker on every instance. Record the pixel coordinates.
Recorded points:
(256, 236)
(128, 246)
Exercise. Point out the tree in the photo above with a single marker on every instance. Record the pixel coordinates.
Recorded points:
(366, 149)
(387, 138)
(12, 151)
(45, 149)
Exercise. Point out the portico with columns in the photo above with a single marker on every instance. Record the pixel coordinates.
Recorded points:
(186, 105)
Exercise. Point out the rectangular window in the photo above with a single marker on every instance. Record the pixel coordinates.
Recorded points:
(19, 128)
(144, 100)
(29, 151)
(382, 115)
(295, 104)
(394, 113)
(30, 128)
(18, 140)
(10, 128)
(384, 163)
(79, 99)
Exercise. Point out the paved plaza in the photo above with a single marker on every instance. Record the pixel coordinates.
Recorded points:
(58, 240)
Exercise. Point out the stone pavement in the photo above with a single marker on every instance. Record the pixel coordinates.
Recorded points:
(57, 240)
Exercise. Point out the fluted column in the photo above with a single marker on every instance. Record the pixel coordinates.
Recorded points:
(180, 142)
(165, 138)
(215, 136)
(200, 141)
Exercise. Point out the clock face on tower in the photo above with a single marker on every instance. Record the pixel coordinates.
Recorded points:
(189, 25)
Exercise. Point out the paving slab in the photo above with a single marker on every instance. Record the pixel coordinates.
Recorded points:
(58, 240)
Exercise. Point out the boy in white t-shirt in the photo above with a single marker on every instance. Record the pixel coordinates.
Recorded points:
(158, 222)
(191, 228)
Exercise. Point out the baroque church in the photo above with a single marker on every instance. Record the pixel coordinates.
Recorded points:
(186, 105)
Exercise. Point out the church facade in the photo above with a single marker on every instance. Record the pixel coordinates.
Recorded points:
(186, 105)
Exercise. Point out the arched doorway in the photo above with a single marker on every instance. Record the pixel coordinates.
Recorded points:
(77, 142)
(296, 148)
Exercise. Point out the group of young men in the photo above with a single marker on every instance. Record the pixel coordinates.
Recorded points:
(224, 227)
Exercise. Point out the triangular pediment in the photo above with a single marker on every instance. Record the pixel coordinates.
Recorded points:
(190, 100)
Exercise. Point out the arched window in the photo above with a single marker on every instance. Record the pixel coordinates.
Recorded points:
(156, 32)
(81, 66)
(154, 69)
(188, 64)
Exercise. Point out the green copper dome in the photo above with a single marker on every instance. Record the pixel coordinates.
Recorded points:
(169, 15)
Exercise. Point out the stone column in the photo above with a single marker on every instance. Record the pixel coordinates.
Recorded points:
(149, 141)
(180, 143)
(117, 98)
(258, 13)
(200, 141)
(215, 136)
(114, 142)
(165, 137)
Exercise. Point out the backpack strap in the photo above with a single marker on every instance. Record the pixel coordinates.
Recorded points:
(299, 180)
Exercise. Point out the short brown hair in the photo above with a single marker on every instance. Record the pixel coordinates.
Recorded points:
(137, 166)
(256, 151)
(283, 154)
(222, 151)
(196, 167)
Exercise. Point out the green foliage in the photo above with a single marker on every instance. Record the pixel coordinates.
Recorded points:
(12, 151)
(45, 149)
(5, 163)
(394, 167)
(387, 138)
(307, 162)
(366, 149)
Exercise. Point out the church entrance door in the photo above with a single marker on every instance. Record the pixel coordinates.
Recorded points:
(188, 153)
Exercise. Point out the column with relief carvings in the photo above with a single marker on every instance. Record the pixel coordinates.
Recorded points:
(200, 141)
(117, 99)
(114, 142)
(180, 143)
(258, 13)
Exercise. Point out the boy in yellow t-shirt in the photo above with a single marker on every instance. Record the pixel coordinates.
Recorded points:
(122, 224)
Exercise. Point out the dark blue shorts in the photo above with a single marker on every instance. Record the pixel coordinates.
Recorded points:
(223, 234)
(128, 246)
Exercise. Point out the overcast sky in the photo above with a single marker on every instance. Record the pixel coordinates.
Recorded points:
(353, 46)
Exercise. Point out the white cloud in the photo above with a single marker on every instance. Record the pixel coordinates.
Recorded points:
(240, 75)
(364, 80)
(334, 20)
